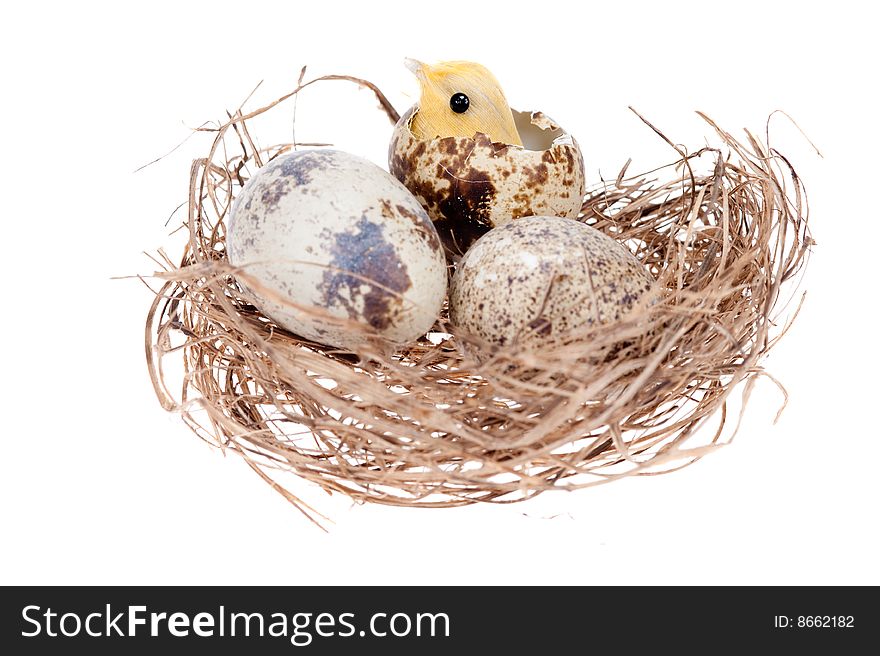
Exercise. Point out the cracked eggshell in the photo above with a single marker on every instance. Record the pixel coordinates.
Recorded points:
(471, 185)
(332, 231)
(535, 278)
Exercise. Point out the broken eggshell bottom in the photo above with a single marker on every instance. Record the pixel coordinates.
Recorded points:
(470, 185)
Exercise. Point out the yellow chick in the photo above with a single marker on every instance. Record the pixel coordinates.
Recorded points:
(459, 99)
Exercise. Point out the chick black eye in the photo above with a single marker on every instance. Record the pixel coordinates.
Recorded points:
(459, 103)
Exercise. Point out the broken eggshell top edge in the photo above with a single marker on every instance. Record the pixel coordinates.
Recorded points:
(469, 185)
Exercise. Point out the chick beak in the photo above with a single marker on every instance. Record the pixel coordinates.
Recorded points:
(416, 67)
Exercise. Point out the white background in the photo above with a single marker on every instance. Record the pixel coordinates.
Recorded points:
(99, 485)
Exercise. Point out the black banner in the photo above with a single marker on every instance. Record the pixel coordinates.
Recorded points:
(419, 620)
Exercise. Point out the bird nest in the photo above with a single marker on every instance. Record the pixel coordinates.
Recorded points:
(448, 420)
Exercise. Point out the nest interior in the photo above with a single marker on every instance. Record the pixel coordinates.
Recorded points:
(722, 229)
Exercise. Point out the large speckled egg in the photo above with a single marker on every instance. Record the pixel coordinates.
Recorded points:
(540, 276)
(335, 247)
(471, 185)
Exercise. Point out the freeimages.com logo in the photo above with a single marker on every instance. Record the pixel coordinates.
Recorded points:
(300, 628)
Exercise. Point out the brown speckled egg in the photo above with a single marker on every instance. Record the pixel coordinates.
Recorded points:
(541, 276)
(471, 185)
(339, 238)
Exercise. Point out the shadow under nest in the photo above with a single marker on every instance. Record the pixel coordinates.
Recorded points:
(430, 424)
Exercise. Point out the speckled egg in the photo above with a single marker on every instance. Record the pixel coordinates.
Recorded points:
(471, 185)
(334, 246)
(541, 276)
